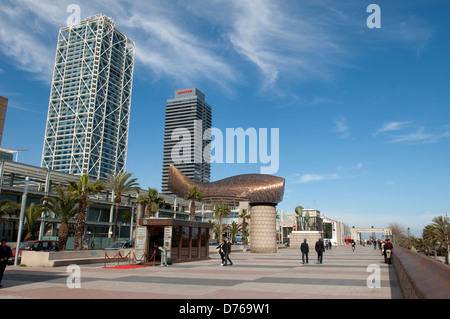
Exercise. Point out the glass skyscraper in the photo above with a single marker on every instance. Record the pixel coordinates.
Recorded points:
(186, 136)
(89, 108)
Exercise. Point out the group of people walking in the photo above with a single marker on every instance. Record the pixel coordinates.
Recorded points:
(225, 250)
(386, 250)
(319, 248)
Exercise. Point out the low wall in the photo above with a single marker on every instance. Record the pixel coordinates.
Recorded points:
(419, 276)
(65, 258)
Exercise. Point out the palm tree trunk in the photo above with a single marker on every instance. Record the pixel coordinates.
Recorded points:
(192, 210)
(29, 236)
(63, 234)
(220, 228)
(81, 221)
(244, 230)
(116, 216)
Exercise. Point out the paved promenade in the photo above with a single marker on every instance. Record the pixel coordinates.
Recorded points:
(343, 275)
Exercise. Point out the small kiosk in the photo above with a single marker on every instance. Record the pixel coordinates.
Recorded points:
(168, 240)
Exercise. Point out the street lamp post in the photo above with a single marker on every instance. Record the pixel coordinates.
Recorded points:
(22, 214)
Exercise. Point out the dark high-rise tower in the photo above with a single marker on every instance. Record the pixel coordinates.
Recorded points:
(188, 117)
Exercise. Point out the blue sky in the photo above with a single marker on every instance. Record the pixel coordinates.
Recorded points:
(363, 114)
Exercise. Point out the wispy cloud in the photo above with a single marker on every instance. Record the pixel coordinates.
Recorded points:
(28, 33)
(356, 167)
(393, 126)
(413, 32)
(22, 108)
(307, 178)
(171, 50)
(410, 133)
(167, 44)
(341, 172)
(321, 100)
(188, 42)
(278, 42)
(341, 127)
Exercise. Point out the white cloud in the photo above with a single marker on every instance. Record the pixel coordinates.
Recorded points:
(409, 133)
(418, 136)
(170, 49)
(356, 167)
(22, 108)
(409, 30)
(278, 41)
(28, 53)
(341, 127)
(393, 126)
(307, 178)
(342, 172)
(167, 44)
(190, 41)
(321, 100)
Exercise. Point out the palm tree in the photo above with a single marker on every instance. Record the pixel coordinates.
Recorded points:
(80, 190)
(234, 228)
(221, 211)
(151, 201)
(429, 236)
(214, 229)
(421, 245)
(120, 184)
(65, 207)
(32, 214)
(441, 231)
(193, 195)
(244, 215)
(8, 207)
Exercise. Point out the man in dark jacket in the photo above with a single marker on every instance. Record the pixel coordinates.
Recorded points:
(227, 251)
(320, 248)
(387, 251)
(5, 254)
(304, 248)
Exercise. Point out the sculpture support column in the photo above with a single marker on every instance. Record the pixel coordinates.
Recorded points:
(263, 229)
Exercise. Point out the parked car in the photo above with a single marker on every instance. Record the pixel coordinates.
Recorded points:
(121, 245)
(35, 245)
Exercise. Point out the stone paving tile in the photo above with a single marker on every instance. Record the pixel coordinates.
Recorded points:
(343, 275)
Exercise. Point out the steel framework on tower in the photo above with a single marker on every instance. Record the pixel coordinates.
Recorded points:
(90, 99)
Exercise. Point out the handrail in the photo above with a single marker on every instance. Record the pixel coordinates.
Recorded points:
(420, 276)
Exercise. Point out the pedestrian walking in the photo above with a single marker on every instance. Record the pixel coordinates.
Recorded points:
(319, 249)
(330, 245)
(227, 251)
(387, 251)
(5, 254)
(221, 252)
(304, 248)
